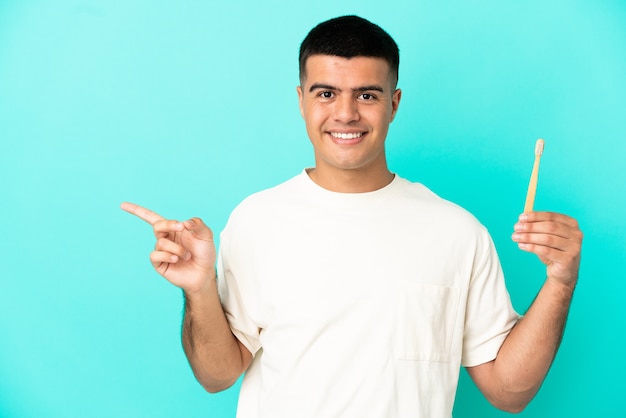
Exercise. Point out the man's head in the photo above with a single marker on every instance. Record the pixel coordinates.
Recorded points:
(348, 98)
(349, 37)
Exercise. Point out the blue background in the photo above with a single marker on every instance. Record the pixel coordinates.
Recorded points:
(187, 107)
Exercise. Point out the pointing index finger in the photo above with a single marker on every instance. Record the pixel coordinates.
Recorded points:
(141, 212)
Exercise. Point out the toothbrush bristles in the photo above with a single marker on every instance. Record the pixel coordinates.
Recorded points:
(539, 147)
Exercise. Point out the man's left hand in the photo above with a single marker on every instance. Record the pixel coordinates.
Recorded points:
(556, 239)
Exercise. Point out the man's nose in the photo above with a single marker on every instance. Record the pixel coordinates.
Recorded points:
(346, 110)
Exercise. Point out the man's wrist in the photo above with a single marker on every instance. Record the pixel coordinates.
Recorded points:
(207, 287)
(564, 288)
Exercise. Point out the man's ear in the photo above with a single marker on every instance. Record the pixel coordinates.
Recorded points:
(395, 103)
(300, 99)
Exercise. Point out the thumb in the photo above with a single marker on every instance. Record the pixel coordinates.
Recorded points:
(199, 229)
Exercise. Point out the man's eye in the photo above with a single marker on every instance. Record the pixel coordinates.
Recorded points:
(367, 96)
(326, 94)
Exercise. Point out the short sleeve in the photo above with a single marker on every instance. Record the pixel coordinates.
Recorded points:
(233, 298)
(489, 315)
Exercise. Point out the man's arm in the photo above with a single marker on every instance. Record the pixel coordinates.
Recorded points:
(185, 255)
(511, 380)
(216, 357)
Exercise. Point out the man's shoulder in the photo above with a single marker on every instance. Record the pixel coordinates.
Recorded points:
(420, 194)
(268, 200)
(275, 193)
(422, 201)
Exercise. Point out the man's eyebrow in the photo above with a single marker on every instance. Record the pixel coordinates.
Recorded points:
(369, 88)
(319, 86)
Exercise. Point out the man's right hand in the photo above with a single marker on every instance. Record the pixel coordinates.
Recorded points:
(184, 252)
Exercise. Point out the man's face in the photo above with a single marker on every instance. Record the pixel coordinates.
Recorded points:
(347, 105)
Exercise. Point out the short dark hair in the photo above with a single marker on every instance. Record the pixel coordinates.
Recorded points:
(348, 37)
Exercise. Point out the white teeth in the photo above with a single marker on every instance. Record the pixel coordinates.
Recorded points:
(347, 136)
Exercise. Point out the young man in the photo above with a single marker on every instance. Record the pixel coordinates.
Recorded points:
(348, 291)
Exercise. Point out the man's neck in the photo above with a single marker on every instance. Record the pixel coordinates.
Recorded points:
(351, 181)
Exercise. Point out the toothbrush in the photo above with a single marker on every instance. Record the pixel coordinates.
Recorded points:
(532, 186)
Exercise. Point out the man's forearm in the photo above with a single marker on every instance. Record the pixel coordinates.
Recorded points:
(528, 352)
(215, 355)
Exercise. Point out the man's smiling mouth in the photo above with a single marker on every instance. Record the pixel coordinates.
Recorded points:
(352, 135)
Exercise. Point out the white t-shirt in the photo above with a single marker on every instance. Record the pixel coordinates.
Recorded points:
(359, 305)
